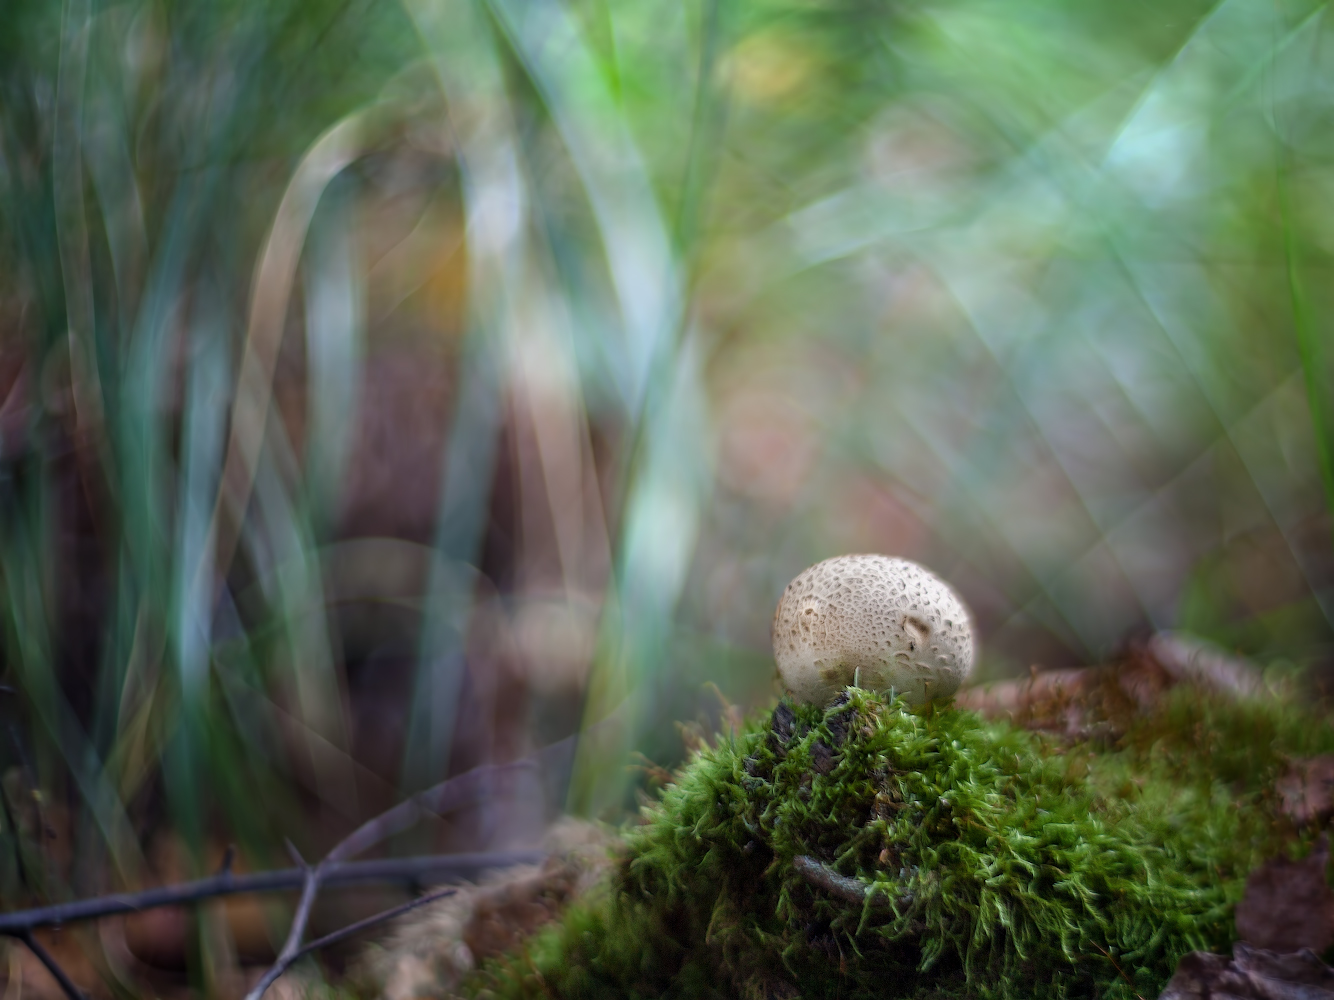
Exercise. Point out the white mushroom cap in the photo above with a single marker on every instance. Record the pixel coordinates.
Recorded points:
(883, 622)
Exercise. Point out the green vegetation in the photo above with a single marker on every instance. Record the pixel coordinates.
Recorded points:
(995, 863)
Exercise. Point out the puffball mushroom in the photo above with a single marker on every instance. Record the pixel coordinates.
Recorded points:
(882, 622)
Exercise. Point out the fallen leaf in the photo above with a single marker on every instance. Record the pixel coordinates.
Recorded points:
(1103, 702)
(1306, 790)
(1251, 974)
(1288, 905)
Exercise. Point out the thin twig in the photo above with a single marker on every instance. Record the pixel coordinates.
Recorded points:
(440, 799)
(292, 946)
(465, 789)
(335, 868)
(1116, 965)
(428, 867)
(537, 973)
(295, 855)
(52, 966)
(844, 887)
(352, 930)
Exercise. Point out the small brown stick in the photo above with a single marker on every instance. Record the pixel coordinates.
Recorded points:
(441, 799)
(537, 973)
(1115, 965)
(437, 800)
(52, 966)
(427, 867)
(292, 946)
(844, 887)
(352, 930)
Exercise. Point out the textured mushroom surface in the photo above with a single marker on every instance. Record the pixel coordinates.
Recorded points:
(882, 622)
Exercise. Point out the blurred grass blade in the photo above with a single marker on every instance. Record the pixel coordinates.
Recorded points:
(71, 226)
(671, 470)
(662, 521)
(29, 626)
(301, 664)
(271, 289)
(335, 343)
(635, 243)
(462, 50)
(208, 389)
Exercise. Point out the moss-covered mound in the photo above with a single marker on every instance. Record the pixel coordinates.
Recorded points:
(864, 850)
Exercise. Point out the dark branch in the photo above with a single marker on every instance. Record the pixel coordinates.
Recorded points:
(295, 855)
(52, 966)
(352, 930)
(287, 960)
(473, 786)
(479, 783)
(424, 868)
(439, 800)
(310, 886)
(844, 887)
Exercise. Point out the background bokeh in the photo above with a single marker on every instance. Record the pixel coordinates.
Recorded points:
(390, 388)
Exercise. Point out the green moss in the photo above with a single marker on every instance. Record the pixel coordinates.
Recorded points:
(996, 863)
